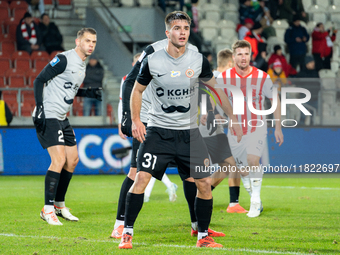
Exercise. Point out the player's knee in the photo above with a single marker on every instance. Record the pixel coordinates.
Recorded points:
(203, 184)
(132, 173)
(253, 161)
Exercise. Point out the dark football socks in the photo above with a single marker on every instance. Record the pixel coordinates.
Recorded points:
(51, 184)
(203, 209)
(64, 181)
(234, 193)
(127, 183)
(190, 191)
(134, 203)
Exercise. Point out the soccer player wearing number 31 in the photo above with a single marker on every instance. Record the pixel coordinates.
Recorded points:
(172, 132)
(54, 90)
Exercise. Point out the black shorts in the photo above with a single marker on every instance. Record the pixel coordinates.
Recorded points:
(185, 147)
(218, 148)
(57, 132)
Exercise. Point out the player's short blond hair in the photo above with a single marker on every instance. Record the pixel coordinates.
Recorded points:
(241, 44)
(223, 57)
(82, 31)
(136, 57)
(176, 15)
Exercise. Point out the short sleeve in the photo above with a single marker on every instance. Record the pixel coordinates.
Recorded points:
(144, 77)
(206, 71)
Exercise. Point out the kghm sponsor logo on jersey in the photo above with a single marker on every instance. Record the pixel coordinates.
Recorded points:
(175, 94)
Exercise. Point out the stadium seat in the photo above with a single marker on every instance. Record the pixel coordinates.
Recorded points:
(27, 103)
(209, 29)
(307, 3)
(16, 78)
(4, 4)
(18, 12)
(39, 64)
(231, 13)
(18, 4)
(272, 41)
(128, 3)
(326, 73)
(5, 64)
(6, 37)
(221, 43)
(22, 63)
(40, 55)
(322, 3)
(310, 26)
(7, 46)
(63, 5)
(2, 81)
(11, 99)
(334, 13)
(226, 23)
(49, 7)
(234, 2)
(30, 76)
(11, 27)
(317, 13)
(212, 12)
(20, 54)
(4, 13)
(146, 3)
(280, 26)
(227, 32)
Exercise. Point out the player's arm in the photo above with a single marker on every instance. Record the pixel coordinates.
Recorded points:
(143, 79)
(51, 70)
(210, 80)
(126, 92)
(120, 111)
(268, 92)
(277, 115)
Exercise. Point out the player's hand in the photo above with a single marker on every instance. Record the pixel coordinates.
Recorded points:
(278, 136)
(210, 121)
(121, 133)
(138, 131)
(236, 129)
(94, 93)
(204, 119)
(126, 124)
(39, 119)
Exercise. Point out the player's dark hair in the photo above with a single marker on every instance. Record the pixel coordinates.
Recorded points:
(223, 57)
(241, 44)
(82, 31)
(176, 15)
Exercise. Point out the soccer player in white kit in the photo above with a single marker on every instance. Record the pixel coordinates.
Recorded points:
(248, 152)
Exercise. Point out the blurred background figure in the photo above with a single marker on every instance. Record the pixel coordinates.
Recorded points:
(51, 37)
(290, 8)
(277, 54)
(277, 74)
(244, 29)
(322, 46)
(296, 37)
(6, 115)
(94, 79)
(28, 34)
(36, 5)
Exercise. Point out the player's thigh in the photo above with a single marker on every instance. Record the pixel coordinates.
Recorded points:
(239, 150)
(135, 148)
(192, 155)
(156, 152)
(218, 148)
(53, 134)
(255, 144)
(72, 158)
(68, 133)
(58, 157)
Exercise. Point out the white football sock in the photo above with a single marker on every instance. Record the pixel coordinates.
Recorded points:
(232, 204)
(194, 225)
(166, 181)
(256, 184)
(118, 223)
(246, 183)
(128, 230)
(60, 204)
(149, 188)
(48, 208)
(201, 235)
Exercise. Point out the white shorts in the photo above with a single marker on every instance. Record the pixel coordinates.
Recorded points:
(251, 144)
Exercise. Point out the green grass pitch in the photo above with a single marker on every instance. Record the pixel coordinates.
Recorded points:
(301, 216)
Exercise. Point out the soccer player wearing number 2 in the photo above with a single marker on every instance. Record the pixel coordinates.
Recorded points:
(248, 152)
(54, 90)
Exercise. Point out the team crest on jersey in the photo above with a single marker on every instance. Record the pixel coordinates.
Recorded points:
(206, 162)
(54, 61)
(175, 73)
(189, 73)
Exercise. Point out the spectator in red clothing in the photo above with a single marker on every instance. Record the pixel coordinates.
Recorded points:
(287, 68)
(244, 29)
(322, 46)
(254, 38)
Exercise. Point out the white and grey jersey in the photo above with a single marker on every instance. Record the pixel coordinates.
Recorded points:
(174, 87)
(62, 78)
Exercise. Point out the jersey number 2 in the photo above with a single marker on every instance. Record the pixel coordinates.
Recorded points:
(148, 157)
(61, 136)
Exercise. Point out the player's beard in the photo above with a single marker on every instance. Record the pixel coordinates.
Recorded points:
(243, 67)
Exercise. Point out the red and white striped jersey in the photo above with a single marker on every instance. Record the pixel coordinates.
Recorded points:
(261, 87)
